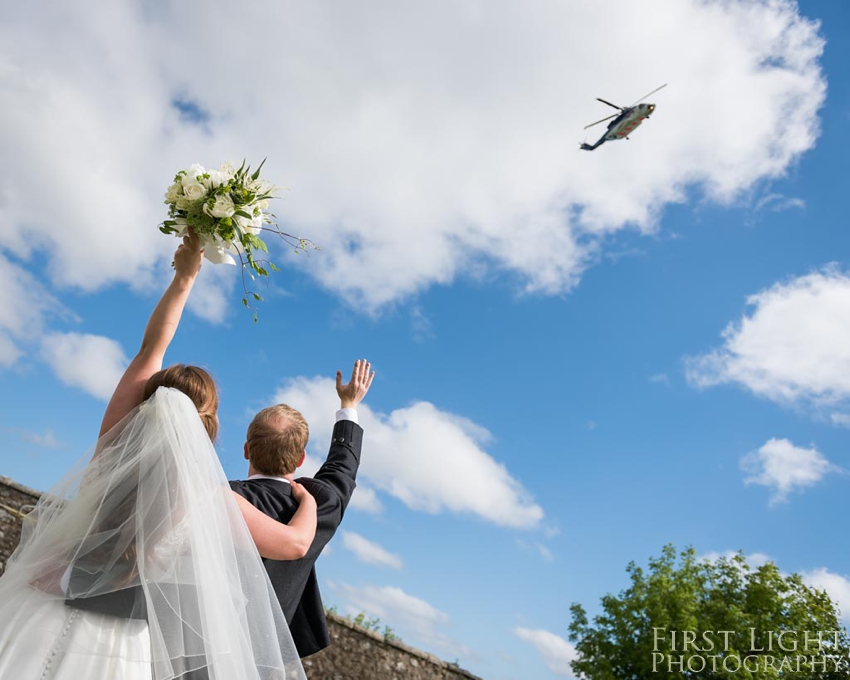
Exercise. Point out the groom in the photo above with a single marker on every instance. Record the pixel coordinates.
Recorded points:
(276, 445)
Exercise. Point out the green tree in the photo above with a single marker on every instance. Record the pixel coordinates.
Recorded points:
(641, 630)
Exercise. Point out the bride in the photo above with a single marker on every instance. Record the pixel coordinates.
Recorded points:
(143, 565)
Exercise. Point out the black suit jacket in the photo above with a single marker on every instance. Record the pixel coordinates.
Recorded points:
(294, 581)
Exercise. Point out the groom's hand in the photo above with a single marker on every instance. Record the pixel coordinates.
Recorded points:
(353, 392)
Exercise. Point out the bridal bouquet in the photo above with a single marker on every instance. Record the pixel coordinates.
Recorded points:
(227, 208)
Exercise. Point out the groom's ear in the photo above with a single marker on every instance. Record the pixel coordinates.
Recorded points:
(245, 449)
(300, 462)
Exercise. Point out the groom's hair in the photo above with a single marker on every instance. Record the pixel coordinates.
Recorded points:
(276, 440)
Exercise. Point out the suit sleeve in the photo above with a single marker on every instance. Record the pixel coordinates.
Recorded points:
(340, 469)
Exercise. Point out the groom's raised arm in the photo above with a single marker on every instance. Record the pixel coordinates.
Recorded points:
(158, 334)
(340, 468)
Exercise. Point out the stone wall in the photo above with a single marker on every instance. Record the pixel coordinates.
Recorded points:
(13, 497)
(359, 654)
(355, 652)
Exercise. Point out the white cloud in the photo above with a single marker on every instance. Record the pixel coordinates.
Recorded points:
(370, 552)
(26, 304)
(409, 165)
(91, 362)
(840, 419)
(557, 652)
(214, 293)
(754, 560)
(364, 498)
(541, 549)
(545, 553)
(429, 459)
(409, 616)
(835, 585)
(777, 203)
(791, 348)
(47, 440)
(783, 468)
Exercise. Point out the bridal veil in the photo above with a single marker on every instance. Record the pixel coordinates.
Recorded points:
(141, 560)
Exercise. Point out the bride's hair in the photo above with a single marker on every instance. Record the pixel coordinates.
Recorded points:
(196, 384)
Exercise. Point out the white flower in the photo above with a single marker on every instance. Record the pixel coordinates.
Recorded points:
(216, 179)
(181, 225)
(242, 221)
(258, 220)
(261, 186)
(247, 224)
(223, 207)
(192, 174)
(227, 169)
(174, 192)
(194, 192)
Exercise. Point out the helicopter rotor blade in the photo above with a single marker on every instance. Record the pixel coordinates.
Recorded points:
(613, 115)
(619, 108)
(648, 95)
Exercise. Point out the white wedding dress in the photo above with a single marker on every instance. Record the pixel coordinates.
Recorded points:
(140, 567)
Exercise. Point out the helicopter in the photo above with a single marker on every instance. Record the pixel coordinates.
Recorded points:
(625, 122)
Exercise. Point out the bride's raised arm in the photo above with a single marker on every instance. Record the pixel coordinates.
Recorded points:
(158, 334)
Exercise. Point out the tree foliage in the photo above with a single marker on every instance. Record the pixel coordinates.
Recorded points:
(773, 622)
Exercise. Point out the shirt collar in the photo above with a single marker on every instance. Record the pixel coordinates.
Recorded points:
(280, 479)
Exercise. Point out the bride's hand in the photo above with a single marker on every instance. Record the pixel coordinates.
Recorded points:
(188, 256)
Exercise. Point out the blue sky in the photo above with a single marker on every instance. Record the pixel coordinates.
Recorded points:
(555, 396)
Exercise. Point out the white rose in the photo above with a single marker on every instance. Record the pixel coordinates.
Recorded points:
(174, 192)
(194, 191)
(223, 207)
(192, 174)
(242, 221)
(216, 179)
(246, 224)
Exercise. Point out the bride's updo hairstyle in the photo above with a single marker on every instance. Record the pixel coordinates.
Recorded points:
(196, 384)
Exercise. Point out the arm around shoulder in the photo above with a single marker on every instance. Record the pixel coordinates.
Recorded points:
(278, 541)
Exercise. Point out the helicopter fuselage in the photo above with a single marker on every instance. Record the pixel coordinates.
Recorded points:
(624, 124)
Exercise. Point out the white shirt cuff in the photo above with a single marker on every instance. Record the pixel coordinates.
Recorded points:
(347, 414)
